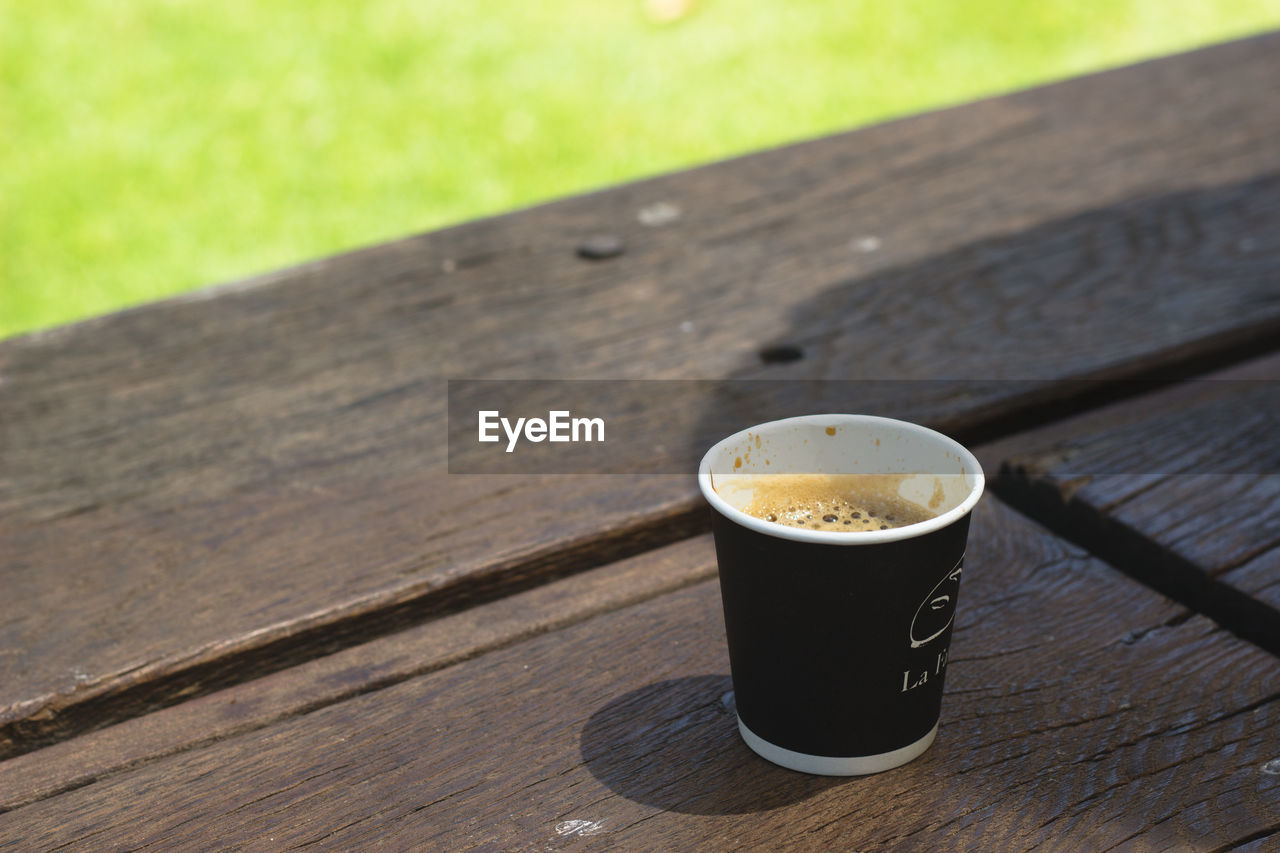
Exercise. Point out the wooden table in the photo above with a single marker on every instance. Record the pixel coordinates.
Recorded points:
(246, 605)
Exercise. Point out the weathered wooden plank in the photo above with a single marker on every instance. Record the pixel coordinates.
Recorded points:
(1083, 711)
(350, 672)
(234, 481)
(1180, 488)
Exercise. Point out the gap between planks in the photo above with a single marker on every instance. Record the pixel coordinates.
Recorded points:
(361, 669)
(1151, 564)
(1061, 502)
(225, 666)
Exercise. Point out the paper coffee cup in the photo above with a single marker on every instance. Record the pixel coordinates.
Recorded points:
(838, 641)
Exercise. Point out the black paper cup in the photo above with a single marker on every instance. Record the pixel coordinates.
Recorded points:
(838, 640)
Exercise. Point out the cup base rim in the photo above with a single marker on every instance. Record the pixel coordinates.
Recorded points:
(831, 765)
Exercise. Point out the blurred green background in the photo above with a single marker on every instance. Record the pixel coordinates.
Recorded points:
(152, 146)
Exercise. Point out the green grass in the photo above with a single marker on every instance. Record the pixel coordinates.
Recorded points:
(151, 146)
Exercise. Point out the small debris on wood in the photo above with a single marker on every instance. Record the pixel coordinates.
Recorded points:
(600, 247)
(658, 213)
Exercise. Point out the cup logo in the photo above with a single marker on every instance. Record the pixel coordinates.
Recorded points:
(935, 613)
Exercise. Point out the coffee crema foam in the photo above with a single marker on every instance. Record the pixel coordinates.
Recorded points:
(847, 503)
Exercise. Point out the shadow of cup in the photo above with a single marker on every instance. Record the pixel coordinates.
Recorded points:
(674, 745)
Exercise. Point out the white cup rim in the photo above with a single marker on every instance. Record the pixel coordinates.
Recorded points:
(837, 537)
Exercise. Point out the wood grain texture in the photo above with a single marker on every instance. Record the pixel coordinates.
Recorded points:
(1083, 711)
(241, 479)
(351, 672)
(1179, 488)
